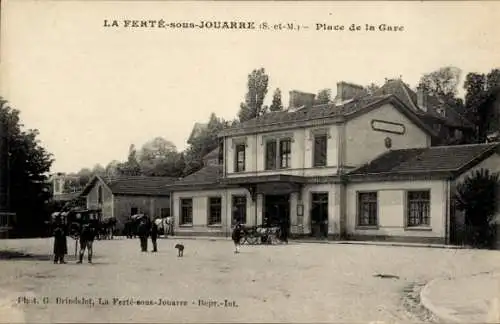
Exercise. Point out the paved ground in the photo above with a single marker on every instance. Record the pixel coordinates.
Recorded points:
(293, 283)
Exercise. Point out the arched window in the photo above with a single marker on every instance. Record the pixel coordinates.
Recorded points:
(99, 194)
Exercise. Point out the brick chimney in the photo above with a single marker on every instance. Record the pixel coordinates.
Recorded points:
(299, 99)
(347, 91)
(421, 97)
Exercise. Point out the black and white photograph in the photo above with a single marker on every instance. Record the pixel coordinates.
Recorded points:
(249, 161)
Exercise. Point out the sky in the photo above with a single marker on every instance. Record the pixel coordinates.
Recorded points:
(92, 90)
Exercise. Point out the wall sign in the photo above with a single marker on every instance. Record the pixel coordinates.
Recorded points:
(388, 127)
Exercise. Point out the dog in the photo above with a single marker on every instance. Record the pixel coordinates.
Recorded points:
(180, 250)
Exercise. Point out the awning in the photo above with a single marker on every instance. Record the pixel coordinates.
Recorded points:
(278, 184)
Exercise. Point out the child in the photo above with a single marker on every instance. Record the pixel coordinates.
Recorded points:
(236, 236)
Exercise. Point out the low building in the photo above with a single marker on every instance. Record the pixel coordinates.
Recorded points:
(123, 197)
(364, 167)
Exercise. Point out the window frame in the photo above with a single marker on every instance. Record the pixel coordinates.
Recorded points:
(181, 214)
(209, 211)
(370, 201)
(239, 148)
(316, 163)
(282, 153)
(424, 220)
(233, 206)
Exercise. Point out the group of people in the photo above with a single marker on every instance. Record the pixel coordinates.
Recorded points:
(146, 229)
(86, 235)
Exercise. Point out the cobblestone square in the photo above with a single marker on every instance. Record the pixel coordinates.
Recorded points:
(299, 282)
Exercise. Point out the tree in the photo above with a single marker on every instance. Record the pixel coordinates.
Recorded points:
(254, 99)
(442, 83)
(112, 170)
(159, 157)
(29, 164)
(276, 105)
(324, 96)
(493, 80)
(98, 170)
(476, 195)
(203, 144)
(371, 88)
(131, 167)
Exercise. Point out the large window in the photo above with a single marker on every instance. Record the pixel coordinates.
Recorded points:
(418, 208)
(367, 209)
(320, 150)
(239, 158)
(239, 208)
(278, 158)
(271, 155)
(214, 211)
(186, 211)
(99, 195)
(285, 153)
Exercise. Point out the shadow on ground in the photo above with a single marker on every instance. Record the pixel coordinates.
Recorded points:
(18, 255)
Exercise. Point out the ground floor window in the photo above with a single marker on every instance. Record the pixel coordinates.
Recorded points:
(239, 208)
(214, 211)
(418, 208)
(367, 209)
(134, 211)
(186, 211)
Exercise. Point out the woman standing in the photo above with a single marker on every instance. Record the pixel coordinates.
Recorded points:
(60, 243)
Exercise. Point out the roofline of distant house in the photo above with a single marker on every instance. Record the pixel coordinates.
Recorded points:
(281, 126)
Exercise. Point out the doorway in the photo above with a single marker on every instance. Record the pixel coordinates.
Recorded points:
(276, 210)
(319, 214)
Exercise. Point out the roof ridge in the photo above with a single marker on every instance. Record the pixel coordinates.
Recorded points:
(465, 145)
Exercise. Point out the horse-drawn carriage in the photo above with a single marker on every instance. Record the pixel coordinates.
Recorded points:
(76, 218)
(260, 235)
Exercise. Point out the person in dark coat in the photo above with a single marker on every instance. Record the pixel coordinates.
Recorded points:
(60, 242)
(284, 228)
(154, 236)
(143, 231)
(87, 236)
(236, 237)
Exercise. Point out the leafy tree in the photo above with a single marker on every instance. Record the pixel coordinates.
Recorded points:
(442, 83)
(493, 80)
(29, 164)
(477, 196)
(203, 144)
(131, 167)
(254, 99)
(276, 105)
(112, 170)
(159, 157)
(98, 170)
(371, 88)
(324, 96)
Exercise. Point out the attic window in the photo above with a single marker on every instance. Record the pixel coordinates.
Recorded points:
(441, 112)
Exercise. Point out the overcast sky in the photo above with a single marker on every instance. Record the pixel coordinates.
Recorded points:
(92, 91)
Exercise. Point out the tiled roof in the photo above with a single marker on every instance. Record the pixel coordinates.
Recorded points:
(135, 185)
(214, 154)
(139, 185)
(315, 112)
(431, 159)
(401, 90)
(208, 174)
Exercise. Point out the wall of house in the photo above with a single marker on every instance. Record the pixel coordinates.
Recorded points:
(149, 205)
(392, 210)
(301, 156)
(107, 199)
(363, 143)
(200, 210)
(333, 208)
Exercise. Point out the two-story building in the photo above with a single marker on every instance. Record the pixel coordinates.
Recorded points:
(360, 167)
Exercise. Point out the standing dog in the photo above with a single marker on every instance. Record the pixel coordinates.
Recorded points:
(180, 250)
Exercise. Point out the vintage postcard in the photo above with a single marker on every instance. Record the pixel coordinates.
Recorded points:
(250, 161)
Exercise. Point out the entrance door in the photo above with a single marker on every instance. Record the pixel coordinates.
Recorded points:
(276, 210)
(319, 214)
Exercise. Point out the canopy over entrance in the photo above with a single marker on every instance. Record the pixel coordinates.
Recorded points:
(268, 184)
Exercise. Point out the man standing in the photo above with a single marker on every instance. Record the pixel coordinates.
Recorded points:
(143, 231)
(87, 236)
(60, 243)
(154, 236)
